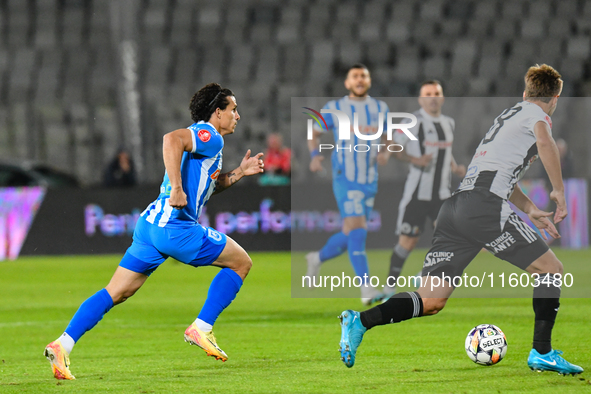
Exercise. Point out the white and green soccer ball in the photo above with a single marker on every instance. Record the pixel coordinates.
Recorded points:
(486, 344)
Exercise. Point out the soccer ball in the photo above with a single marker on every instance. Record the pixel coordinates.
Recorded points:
(486, 344)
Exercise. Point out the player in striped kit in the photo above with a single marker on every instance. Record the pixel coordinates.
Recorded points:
(355, 177)
(478, 216)
(169, 228)
(429, 177)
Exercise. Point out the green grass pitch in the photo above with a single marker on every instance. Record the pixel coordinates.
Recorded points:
(275, 343)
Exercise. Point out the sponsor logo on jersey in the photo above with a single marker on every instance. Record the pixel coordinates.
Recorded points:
(433, 258)
(204, 135)
(471, 171)
(481, 153)
(468, 181)
(215, 175)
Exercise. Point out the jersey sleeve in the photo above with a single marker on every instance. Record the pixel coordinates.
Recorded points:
(540, 118)
(205, 141)
(548, 121)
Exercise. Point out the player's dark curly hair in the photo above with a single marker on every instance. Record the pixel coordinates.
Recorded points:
(542, 83)
(207, 100)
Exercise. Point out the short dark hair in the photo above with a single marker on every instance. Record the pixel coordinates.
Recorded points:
(207, 100)
(542, 83)
(430, 82)
(357, 65)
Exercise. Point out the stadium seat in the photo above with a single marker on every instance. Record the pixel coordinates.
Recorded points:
(578, 47)
(398, 32)
(436, 67)
(241, 60)
(46, 27)
(379, 53)
(73, 22)
(541, 9)
(21, 131)
(485, 10)
(431, 10)
(533, 28)
(267, 64)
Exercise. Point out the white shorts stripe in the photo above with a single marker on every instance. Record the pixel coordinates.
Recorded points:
(415, 301)
(527, 230)
(523, 231)
(154, 212)
(166, 214)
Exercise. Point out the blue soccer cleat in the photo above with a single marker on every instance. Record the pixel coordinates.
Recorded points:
(552, 361)
(351, 336)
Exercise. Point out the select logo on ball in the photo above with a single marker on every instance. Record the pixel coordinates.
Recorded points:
(486, 344)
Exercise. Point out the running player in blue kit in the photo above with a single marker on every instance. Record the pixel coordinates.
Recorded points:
(355, 178)
(169, 228)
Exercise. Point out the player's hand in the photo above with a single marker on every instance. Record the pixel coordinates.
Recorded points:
(178, 198)
(252, 165)
(422, 161)
(316, 163)
(383, 158)
(560, 200)
(540, 219)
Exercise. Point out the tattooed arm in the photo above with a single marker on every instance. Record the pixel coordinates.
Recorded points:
(248, 166)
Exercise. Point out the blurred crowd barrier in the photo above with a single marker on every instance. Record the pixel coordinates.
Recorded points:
(39, 221)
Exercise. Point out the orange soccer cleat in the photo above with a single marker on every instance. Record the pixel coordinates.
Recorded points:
(60, 362)
(206, 341)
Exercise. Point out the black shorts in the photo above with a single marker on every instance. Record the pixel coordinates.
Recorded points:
(476, 219)
(413, 215)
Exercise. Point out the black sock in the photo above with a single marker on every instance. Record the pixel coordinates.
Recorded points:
(545, 302)
(399, 256)
(402, 306)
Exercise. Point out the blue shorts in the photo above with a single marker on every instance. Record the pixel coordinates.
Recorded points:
(195, 245)
(354, 199)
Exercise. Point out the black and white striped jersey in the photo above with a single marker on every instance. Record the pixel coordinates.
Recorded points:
(507, 150)
(434, 136)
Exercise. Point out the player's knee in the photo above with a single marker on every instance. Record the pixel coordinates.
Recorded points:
(548, 263)
(432, 306)
(121, 296)
(557, 267)
(243, 266)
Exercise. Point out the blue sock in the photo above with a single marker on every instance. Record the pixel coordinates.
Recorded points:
(222, 291)
(356, 246)
(335, 246)
(89, 314)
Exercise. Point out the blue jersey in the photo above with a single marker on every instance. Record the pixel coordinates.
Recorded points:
(356, 166)
(199, 171)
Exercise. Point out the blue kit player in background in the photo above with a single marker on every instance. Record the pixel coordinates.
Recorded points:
(169, 227)
(355, 177)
